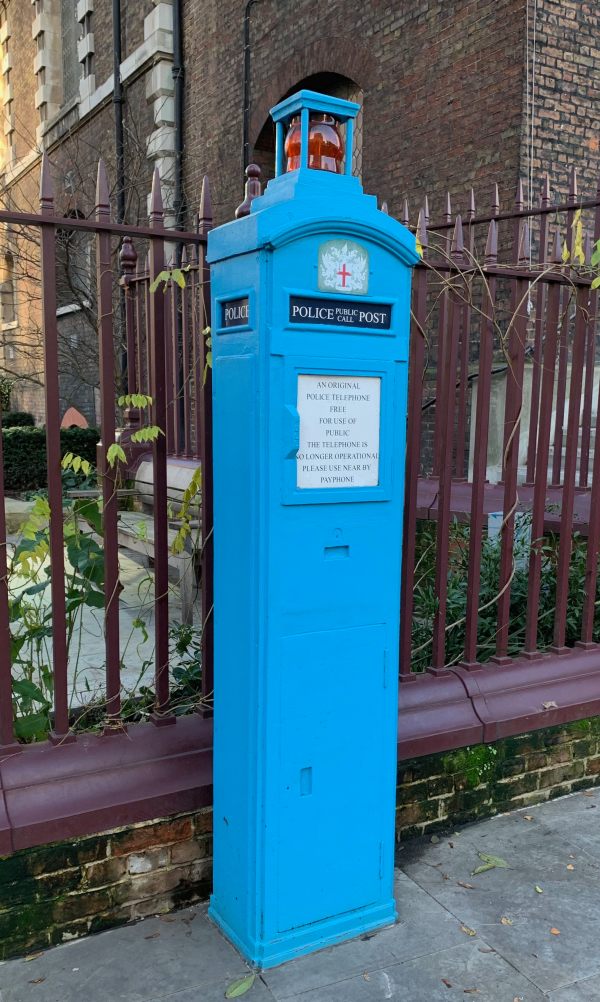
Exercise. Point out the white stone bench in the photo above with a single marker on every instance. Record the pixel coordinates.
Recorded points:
(135, 529)
(135, 532)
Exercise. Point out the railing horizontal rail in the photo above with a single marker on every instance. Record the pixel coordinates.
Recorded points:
(98, 226)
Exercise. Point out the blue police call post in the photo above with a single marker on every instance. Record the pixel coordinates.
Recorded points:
(311, 305)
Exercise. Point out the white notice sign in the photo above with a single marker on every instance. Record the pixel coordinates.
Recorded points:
(339, 431)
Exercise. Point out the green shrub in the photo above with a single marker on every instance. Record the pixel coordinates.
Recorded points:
(18, 419)
(25, 454)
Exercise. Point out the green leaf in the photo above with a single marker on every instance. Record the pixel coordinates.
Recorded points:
(238, 988)
(494, 860)
(36, 588)
(28, 690)
(178, 277)
(163, 276)
(34, 725)
(88, 510)
(596, 282)
(114, 453)
(482, 869)
(94, 599)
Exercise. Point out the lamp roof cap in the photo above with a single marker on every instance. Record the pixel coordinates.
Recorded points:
(324, 104)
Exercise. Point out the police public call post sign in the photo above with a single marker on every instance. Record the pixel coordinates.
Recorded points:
(309, 413)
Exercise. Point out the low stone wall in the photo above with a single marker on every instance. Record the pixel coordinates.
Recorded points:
(441, 791)
(59, 892)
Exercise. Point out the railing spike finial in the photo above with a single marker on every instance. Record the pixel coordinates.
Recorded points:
(102, 194)
(491, 247)
(205, 213)
(448, 213)
(496, 200)
(46, 186)
(252, 190)
(405, 213)
(156, 200)
(546, 193)
(523, 253)
(573, 185)
(458, 244)
(471, 212)
(422, 230)
(426, 210)
(184, 256)
(128, 257)
(384, 208)
(519, 197)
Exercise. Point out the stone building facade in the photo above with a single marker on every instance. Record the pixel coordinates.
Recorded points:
(453, 95)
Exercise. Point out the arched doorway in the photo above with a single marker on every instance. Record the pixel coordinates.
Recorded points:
(336, 85)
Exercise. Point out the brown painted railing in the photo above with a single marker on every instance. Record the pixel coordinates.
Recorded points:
(503, 344)
(504, 327)
(165, 342)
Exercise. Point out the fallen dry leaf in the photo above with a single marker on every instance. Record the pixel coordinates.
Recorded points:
(539, 889)
(463, 883)
(469, 932)
(37, 981)
(588, 793)
(366, 976)
(33, 956)
(555, 931)
(570, 866)
(505, 920)
(550, 705)
(168, 918)
(447, 983)
(528, 817)
(470, 991)
(451, 844)
(435, 839)
(153, 935)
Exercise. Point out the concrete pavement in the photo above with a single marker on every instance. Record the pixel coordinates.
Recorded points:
(521, 932)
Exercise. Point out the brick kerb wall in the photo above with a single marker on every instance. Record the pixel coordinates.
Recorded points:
(66, 890)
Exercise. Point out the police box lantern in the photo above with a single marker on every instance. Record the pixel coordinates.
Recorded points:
(311, 306)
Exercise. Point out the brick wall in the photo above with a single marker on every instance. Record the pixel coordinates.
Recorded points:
(564, 64)
(63, 891)
(67, 890)
(442, 86)
(438, 791)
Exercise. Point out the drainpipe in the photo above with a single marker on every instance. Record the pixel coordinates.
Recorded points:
(120, 160)
(178, 200)
(246, 89)
(118, 106)
(178, 82)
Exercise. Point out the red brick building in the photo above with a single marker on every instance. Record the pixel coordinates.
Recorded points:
(454, 95)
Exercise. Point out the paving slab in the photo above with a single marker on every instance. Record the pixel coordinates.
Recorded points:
(148, 960)
(582, 991)
(423, 928)
(487, 936)
(503, 905)
(462, 972)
